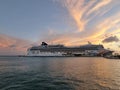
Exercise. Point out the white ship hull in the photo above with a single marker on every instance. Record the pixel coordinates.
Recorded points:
(45, 54)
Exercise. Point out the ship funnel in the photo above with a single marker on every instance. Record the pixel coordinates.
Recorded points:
(44, 44)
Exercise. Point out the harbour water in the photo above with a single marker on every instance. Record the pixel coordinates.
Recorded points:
(59, 73)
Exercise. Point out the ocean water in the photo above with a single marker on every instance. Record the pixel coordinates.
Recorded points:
(59, 73)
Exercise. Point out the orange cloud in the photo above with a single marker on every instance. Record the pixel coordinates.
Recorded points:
(80, 10)
(104, 26)
(77, 11)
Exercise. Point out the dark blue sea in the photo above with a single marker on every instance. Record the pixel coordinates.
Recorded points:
(59, 73)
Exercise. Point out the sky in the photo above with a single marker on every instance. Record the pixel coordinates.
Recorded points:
(26, 23)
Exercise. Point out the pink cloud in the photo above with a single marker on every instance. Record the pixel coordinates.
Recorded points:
(12, 46)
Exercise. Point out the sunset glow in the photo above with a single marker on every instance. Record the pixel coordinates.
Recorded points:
(69, 22)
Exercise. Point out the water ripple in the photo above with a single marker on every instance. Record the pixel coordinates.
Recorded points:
(59, 74)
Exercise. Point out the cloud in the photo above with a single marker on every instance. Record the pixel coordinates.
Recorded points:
(81, 10)
(99, 5)
(105, 26)
(12, 46)
(76, 11)
(111, 39)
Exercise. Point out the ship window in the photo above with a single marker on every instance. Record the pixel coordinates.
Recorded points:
(33, 52)
(37, 52)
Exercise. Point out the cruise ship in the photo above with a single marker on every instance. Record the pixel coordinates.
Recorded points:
(60, 50)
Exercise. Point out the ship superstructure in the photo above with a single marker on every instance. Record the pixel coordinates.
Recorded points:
(60, 50)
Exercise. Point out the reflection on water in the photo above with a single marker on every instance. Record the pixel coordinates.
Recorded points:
(59, 73)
